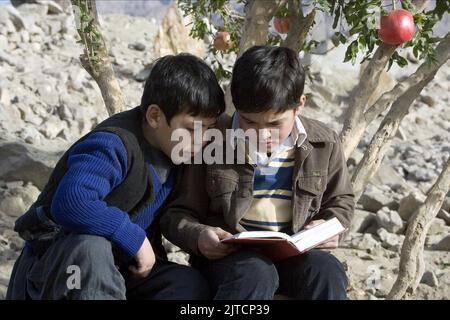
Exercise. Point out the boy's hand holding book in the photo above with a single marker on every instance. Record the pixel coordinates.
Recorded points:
(210, 245)
(278, 245)
(330, 244)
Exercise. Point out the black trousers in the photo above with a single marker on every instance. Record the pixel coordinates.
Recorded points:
(52, 275)
(247, 274)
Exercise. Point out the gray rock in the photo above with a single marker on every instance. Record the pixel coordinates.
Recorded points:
(11, 13)
(389, 240)
(54, 26)
(53, 7)
(444, 215)
(34, 13)
(31, 135)
(390, 220)
(52, 127)
(19, 161)
(142, 75)
(362, 221)
(4, 44)
(446, 204)
(388, 176)
(28, 114)
(9, 114)
(438, 226)
(47, 92)
(443, 244)
(6, 222)
(138, 46)
(13, 205)
(409, 204)
(428, 100)
(8, 58)
(364, 242)
(421, 175)
(374, 199)
(7, 27)
(65, 113)
(429, 278)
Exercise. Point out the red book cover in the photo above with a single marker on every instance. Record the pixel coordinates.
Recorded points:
(281, 246)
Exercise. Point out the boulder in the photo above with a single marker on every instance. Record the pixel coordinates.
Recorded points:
(429, 278)
(362, 221)
(389, 240)
(390, 220)
(443, 244)
(363, 242)
(11, 14)
(373, 199)
(19, 161)
(409, 204)
(173, 36)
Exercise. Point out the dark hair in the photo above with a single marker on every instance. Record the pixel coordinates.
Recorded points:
(183, 83)
(267, 78)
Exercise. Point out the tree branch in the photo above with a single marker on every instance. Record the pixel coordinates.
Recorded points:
(353, 129)
(382, 139)
(95, 57)
(423, 72)
(299, 25)
(411, 261)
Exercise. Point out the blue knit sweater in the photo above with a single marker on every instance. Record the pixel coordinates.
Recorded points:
(96, 166)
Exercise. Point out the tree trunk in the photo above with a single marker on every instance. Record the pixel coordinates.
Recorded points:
(95, 57)
(411, 259)
(382, 139)
(257, 17)
(299, 25)
(361, 94)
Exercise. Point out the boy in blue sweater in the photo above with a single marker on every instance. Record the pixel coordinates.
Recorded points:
(93, 233)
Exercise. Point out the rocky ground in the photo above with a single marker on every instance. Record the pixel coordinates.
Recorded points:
(47, 101)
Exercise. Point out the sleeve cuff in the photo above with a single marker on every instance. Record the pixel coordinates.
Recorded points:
(129, 237)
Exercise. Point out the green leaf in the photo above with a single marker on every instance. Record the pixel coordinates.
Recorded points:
(352, 51)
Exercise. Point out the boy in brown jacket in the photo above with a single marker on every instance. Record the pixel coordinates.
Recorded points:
(298, 180)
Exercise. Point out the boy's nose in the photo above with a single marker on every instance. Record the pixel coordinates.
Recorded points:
(264, 134)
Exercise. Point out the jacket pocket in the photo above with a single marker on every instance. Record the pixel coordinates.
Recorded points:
(220, 189)
(308, 196)
(312, 185)
(219, 185)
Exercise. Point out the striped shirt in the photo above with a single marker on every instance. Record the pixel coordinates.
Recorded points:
(272, 189)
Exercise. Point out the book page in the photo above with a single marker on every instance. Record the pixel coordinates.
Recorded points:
(260, 234)
(319, 234)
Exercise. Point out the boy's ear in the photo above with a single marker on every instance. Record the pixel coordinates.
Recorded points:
(153, 116)
(300, 105)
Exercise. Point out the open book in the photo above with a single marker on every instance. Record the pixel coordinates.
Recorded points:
(279, 245)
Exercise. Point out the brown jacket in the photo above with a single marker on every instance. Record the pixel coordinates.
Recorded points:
(219, 194)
